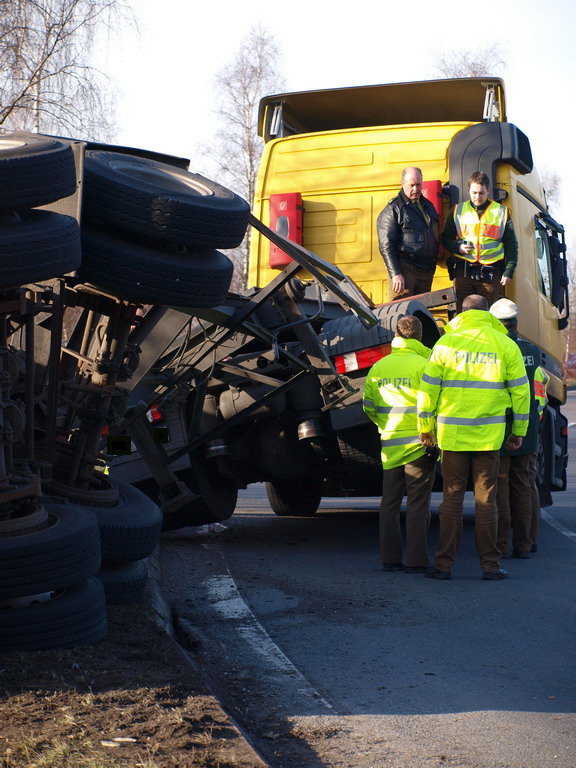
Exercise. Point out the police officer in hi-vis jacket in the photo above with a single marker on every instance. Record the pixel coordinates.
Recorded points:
(390, 394)
(474, 376)
(480, 236)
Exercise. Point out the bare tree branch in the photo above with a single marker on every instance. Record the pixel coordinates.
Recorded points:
(552, 184)
(47, 82)
(472, 62)
(235, 153)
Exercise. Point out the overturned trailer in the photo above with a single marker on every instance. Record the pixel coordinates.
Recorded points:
(253, 391)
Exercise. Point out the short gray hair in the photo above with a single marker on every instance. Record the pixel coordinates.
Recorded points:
(410, 168)
(474, 301)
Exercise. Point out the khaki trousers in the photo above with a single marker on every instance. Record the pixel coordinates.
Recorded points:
(457, 466)
(413, 480)
(514, 499)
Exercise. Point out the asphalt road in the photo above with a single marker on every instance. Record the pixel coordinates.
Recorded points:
(327, 661)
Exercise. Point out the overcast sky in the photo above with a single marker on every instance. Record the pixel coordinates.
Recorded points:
(166, 71)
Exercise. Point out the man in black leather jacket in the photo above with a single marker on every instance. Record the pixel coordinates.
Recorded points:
(408, 234)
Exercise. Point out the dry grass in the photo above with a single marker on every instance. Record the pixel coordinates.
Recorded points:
(133, 701)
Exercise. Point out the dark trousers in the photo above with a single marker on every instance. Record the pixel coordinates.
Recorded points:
(535, 497)
(514, 499)
(415, 280)
(415, 480)
(457, 466)
(465, 286)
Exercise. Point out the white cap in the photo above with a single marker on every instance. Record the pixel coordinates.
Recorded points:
(504, 309)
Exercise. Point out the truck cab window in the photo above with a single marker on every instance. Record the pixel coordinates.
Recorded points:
(543, 259)
(552, 263)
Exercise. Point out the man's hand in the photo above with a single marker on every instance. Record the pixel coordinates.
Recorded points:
(398, 285)
(513, 443)
(427, 438)
(505, 280)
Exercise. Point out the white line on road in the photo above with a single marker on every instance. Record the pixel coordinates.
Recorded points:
(559, 527)
(225, 607)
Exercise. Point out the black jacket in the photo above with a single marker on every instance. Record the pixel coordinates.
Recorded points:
(406, 233)
(532, 359)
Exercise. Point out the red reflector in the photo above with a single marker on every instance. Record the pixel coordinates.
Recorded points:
(433, 191)
(286, 219)
(154, 414)
(340, 363)
(367, 357)
(564, 431)
(105, 431)
(364, 358)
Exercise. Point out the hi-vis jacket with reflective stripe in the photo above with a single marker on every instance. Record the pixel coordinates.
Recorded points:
(475, 373)
(390, 394)
(541, 380)
(484, 231)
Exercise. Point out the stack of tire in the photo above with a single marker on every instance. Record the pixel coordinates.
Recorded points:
(49, 596)
(150, 230)
(129, 524)
(35, 245)
(149, 234)
(49, 553)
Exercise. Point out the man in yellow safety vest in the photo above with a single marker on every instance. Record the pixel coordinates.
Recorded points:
(480, 236)
(390, 394)
(474, 375)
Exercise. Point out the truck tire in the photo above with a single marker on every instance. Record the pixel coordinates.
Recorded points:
(361, 453)
(347, 334)
(102, 491)
(218, 496)
(34, 171)
(25, 518)
(129, 530)
(39, 246)
(124, 583)
(65, 552)
(295, 498)
(157, 200)
(145, 275)
(217, 502)
(72, 616)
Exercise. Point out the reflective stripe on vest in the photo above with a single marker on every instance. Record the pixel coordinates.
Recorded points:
(520, 416)
(391, 441)
(463, 421)
(395, 409)
(389, 410)
(484, 231)
(470, 384)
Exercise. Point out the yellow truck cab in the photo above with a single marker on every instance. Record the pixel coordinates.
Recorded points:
(332, 160)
